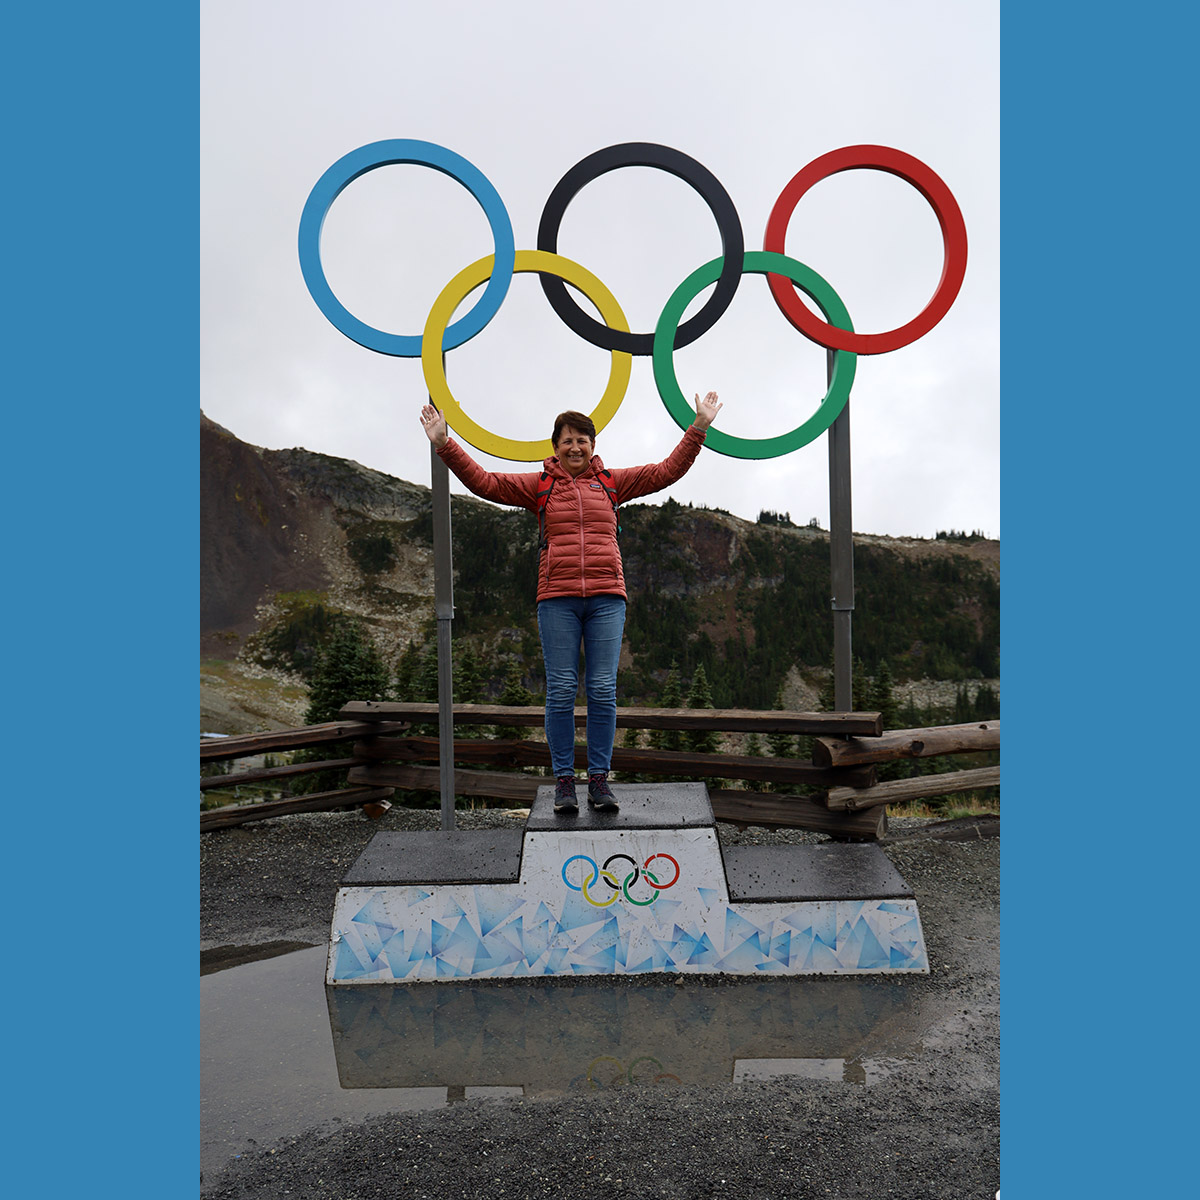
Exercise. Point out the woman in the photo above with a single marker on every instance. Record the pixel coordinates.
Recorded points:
(581, 584)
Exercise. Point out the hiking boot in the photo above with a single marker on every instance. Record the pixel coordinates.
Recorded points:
(600, 795)
(564, 795)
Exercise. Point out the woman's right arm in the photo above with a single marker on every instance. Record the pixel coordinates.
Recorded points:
(517, 490)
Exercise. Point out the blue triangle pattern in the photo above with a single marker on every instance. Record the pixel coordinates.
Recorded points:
(535, 942)
(346, 964)
(781, 946)
(604, 962)
(421, 947)
(872, 955)
(744, 957)
(439, 935)
(738, 928)
(495, 907)
(576, 912)
(664, 910)
(370, 940)
(705, 953)
(821, 958)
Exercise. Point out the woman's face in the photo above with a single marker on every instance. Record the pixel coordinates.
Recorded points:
(574, 450)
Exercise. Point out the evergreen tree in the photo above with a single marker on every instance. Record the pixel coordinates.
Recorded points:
(631, 739)
(826, 697)
(424, 688)
(860, 686)
(781, 745)
(700, 741)
(672, 697)
(468, 677)
(881, 697)
(987, 704)
(754, 750)
(425, 681)
(407, 664)
(516, 693)
(348, 667)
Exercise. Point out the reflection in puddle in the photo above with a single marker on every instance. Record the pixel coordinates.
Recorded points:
(268, 1069)
(552, 1038)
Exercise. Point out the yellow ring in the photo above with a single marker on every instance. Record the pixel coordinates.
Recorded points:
(611, 900)
(457, 290)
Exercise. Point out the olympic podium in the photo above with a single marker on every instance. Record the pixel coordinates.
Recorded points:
(648, 889)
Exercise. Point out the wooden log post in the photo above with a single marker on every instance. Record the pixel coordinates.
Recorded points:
(264, 773)
(240, 814)
(897, 791)
(773, 810)
(245, 744)
(896, 744)
(726, 720)
(494, 785)
(531, 753)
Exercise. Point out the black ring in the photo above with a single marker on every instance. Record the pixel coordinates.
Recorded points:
(699, 177)
(636, 870)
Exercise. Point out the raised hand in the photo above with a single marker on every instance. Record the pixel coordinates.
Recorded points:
(434, 424)
(707, 409)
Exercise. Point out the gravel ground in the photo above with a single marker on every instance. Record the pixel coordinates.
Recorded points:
(928, 1129)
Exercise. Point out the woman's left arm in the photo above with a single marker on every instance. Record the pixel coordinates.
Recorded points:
(632, 482)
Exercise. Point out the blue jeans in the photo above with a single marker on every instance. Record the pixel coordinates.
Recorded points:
(564, 624)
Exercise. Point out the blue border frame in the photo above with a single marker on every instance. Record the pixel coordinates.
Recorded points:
(102, 525)
(1098, 430)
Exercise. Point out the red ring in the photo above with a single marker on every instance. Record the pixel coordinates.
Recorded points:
(662, 887)
(954, 239)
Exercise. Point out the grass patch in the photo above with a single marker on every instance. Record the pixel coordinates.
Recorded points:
(950, 808)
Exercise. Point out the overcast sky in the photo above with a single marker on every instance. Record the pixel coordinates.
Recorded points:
(526, 89)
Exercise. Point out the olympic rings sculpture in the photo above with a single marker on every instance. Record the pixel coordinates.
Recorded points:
(786, 278)
(619, 889)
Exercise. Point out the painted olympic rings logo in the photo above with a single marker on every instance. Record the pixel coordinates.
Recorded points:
(618, 889)
(785, 276)
(599, 1079)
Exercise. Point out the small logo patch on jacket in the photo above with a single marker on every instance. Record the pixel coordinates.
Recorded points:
(598, 486)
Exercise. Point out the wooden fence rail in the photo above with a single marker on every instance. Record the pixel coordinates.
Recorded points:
(846, 749)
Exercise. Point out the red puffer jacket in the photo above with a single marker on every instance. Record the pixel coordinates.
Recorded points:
(582, 557)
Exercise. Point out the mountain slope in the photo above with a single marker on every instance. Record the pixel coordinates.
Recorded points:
(749, 601)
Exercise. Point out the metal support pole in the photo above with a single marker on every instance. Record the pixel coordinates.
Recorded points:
(841, 551)
(443, 603)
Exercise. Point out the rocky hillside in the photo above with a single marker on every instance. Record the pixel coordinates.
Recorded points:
(285, 529)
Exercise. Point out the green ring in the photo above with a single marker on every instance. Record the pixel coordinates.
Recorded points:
(653, 884)
(755, 262)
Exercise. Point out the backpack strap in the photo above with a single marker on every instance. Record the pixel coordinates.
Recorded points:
(612, 497)
(543, 498)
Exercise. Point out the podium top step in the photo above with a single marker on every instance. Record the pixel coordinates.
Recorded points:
(643, 806)
(438, 856)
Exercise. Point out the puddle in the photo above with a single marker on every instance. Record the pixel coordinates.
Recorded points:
(281, 1053)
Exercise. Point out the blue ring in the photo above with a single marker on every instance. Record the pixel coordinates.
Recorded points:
(381, 154)
(595, 872)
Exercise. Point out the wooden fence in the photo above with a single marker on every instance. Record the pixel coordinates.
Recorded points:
(849, 801)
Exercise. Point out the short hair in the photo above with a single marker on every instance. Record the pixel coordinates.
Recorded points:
(576, 420)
